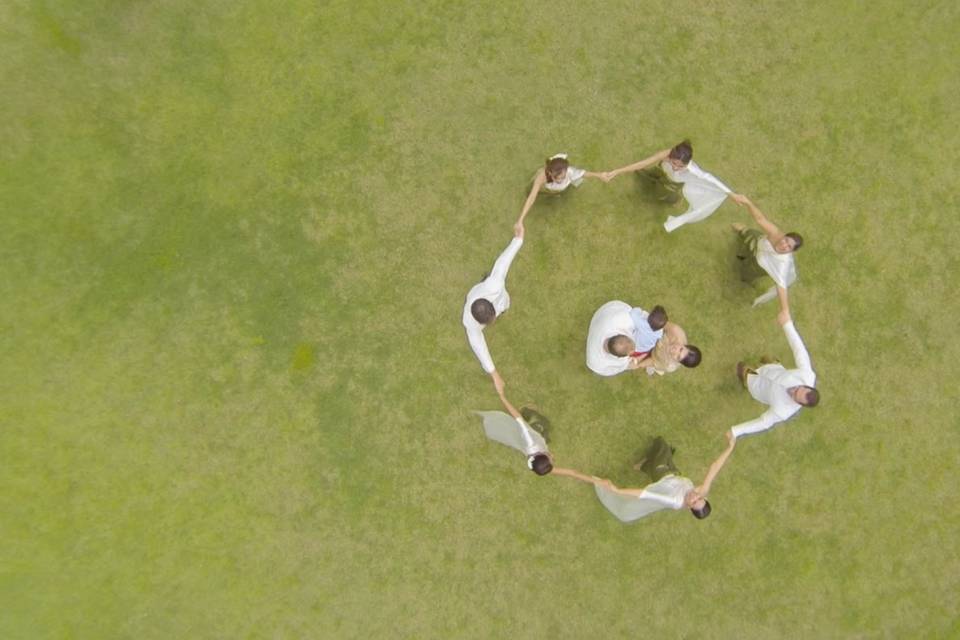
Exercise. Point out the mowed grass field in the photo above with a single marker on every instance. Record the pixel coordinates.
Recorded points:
(236, 395)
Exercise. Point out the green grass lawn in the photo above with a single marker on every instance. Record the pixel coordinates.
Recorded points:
(236, 395)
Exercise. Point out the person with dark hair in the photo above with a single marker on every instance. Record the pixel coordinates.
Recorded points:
(486, 301)
(554, 177)
(621, 337)
(784, 390)
(669, 489)
(516, 432)
(769, 252)
(671, 351)
(674, 172)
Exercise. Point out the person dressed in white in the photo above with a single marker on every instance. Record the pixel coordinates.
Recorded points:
(486, 301)
(554, 177)
(621, 337)
(513, 431)
(669, 489)
(703, 192)
(770, 252)
(784, 391)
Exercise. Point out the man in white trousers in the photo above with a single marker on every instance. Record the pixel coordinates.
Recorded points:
(784, 391)
(486, 301)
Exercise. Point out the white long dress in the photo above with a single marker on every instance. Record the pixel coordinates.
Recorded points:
(702, 191)
(512, 432)
(667, 493)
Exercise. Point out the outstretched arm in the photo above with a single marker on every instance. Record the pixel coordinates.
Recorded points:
(704, 487)
(512, 410)
(532, 196)
(637, 166)
(576, 475)
(498, 385)
(502, 265)
(772, 231)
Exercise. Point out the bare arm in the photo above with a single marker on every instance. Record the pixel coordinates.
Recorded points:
(704, 487)
(643, 164)
(538, 183)
(772, 231)
(576, 475)
(512, 410)
(498, 384)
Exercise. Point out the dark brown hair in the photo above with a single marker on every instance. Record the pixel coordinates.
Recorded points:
(692, 358)
(682, 152)
(482, 310)
(657, 318)
(797, 239)
(554, 167)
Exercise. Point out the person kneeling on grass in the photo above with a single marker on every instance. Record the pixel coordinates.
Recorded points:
(669, 489)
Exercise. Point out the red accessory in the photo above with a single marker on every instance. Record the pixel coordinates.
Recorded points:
(639, 354)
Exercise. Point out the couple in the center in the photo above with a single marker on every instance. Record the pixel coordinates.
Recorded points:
(622, 338)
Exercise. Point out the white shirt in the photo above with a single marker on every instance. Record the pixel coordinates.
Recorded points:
(644, 337)
(513, 432)
(771, 382)
(612, 319)
(667, 493)
(494, 289)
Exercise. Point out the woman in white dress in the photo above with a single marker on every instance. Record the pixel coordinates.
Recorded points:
(554, 177)
(675, 172)
(769, 252)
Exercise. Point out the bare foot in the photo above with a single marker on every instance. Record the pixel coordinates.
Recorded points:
(738, 227)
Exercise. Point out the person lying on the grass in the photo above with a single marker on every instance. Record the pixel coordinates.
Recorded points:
(767, 253)
(516, 433)
(669, 489)
(621, 337)
(486, 301)
(784, 390)
(554, 177)
(674, 172)
(671, 351)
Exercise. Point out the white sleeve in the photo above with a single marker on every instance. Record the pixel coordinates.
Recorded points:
(764, 422)
(709, 177)
(502, 265)
(800, 355)
(576, 175)
(667, 501)
(479, 345)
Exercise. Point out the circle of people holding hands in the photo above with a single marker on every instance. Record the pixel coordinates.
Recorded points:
(623, 337)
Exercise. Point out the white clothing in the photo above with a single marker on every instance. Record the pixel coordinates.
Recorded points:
(779, 266)
(703, 192)
(513, 432)
(644, 338)
(573, 176)
(612, 319)
(494, 289)
(770, 383)
(667, 493)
